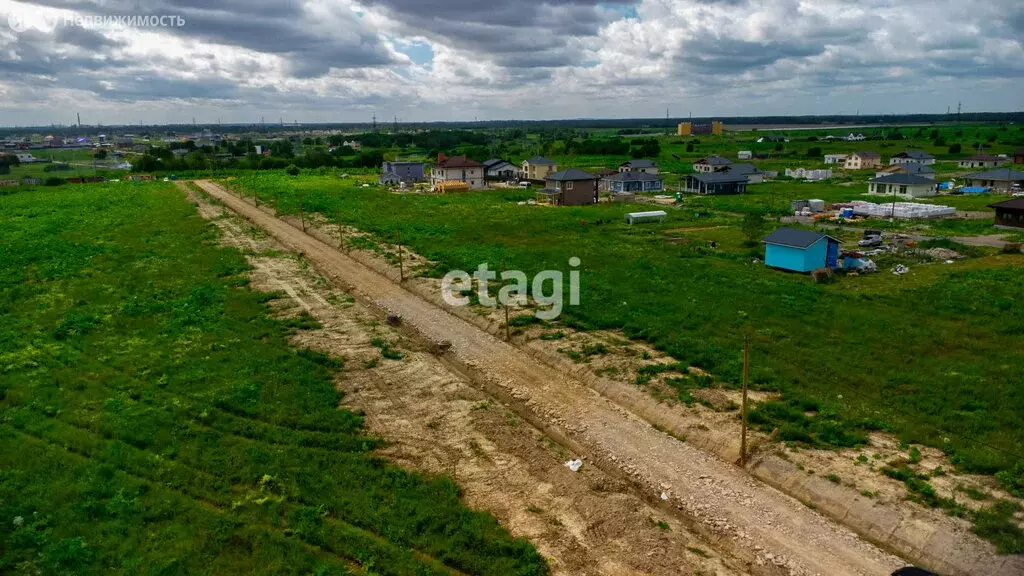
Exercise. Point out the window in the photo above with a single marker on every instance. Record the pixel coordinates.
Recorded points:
(568, 185)
(903, 189)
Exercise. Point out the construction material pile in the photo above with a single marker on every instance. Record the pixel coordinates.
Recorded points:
(904, 210)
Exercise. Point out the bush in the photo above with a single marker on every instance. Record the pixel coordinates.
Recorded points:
(1012, 480)
(823, 276)
(813, 152)
(1011, 248)
(292, 170)
(53, 181)
(689, 146)
(955, 148)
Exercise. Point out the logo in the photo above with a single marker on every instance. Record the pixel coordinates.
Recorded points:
(22, 22)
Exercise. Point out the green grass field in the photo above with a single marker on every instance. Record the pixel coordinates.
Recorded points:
(935, 356)
(155, 420)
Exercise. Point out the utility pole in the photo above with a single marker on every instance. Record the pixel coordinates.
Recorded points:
(746, 376)
(508, 335)
(374, 121)
(401, 260)
(341, 239)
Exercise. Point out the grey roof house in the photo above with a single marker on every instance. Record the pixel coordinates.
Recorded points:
(639, 165)
(500, 169)
(632, 181)
(394, 173)
(569, 187)
(912, 156)
(716, 183)
(753, 174)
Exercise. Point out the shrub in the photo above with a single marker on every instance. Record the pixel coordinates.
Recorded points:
(53, 181)
(1012, 480)
(823, 276)
(955, 148)
(292, 170)
(1012, 248)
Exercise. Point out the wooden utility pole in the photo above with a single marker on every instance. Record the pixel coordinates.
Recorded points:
(341, 239)
(302, 212)
(746, 376)
(401, 261)
(508, 335)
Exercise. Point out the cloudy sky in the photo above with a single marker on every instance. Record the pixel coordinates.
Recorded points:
(344, 60)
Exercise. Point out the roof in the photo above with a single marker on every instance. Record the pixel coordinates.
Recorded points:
(718, 177)
(458, 162)
(633, 177)
(911, 167)
(998, 174)
(908, 179)
(540, 161)
(639, 163)
(867, 154)
(1012, 204)
(795, 238)
(915, 154)
(714, 160)
(744, 169)
(570, 174)
(983, 158)
(493, 161)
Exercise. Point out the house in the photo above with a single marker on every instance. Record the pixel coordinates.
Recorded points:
(640, 165)
(633, 181)
(716, 183)
(744, 155)
(851, 137)
(800, 250)
(710, 164)
(1000, 179)
(139, 177)
(772, 138)
(835, 158)
(909, 168)
(904, 185)
(570, 187)
(30, 181)
(754, 176)
(1009, 213)
(394, 173)
(981, 161)
(1018, 156)
(25, 158)
(457, 168)
(538, 168)
(912, 156)
(9, 183)
(863, 161)
(500, 169)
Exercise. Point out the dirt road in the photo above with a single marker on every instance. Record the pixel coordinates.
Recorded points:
(745, 519)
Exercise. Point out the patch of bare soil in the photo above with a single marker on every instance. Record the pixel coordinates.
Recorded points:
(546, 385)
(584, 522)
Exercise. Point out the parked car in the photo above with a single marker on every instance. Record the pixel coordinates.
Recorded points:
(870, 242)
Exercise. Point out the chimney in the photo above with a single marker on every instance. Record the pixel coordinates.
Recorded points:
(441, 157)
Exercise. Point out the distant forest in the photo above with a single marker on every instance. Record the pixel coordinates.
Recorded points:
(591, 123)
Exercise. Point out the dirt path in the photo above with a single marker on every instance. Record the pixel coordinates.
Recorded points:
(585, 523)
(746, 519)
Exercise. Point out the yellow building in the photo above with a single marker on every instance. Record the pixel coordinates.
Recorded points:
(690, 129)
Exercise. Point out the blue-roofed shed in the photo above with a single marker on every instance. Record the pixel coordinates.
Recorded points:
(800, 250)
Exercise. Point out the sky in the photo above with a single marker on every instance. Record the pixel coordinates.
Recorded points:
(235, 61)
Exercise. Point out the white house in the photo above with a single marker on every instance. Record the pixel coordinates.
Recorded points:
(500, 169)
(25, 158)
(862, 161)
(855, 137)
(457, 168)
(713, 163)
(639, 165)
(903, 185)
(912, 156)
(835, 158)
(745, 155)
(982, 161)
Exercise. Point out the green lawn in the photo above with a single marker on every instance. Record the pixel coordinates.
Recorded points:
(155, 420)
(935, 356)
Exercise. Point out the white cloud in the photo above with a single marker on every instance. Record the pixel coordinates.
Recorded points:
(321, 60)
